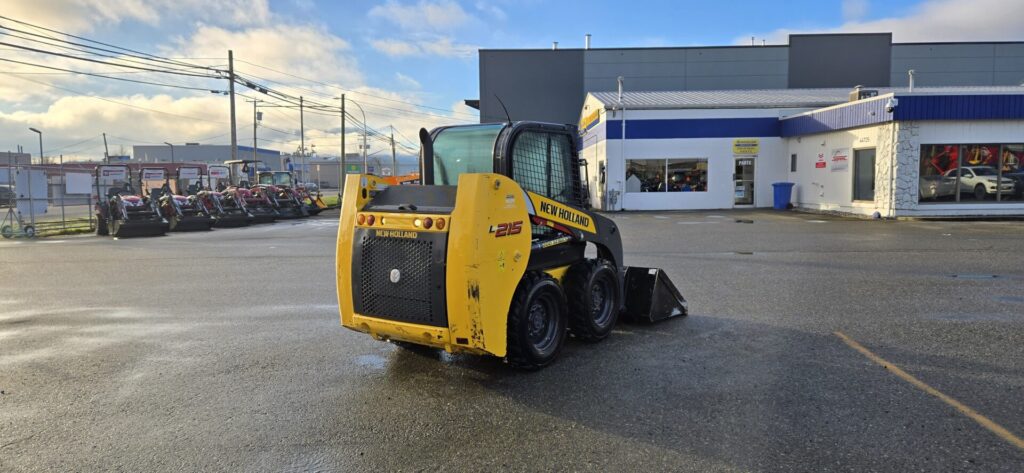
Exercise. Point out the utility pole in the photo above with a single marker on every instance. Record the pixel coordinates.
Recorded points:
(394, 159)
(106, 151)
(231, 91)
(341, 160)
(255, 120)
(302, 136)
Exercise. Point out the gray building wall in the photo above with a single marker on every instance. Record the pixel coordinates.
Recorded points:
(686, 68)
(202, 154)
(550, 85)
(839, 60)
(952, 64)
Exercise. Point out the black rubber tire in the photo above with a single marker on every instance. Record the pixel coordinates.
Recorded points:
(592, 316)
(537, 296)
(7, 231)
(979, 192)
(101, 226)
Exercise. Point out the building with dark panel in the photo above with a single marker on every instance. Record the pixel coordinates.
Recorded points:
(550, 84)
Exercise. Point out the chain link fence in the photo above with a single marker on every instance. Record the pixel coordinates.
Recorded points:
(46, 199)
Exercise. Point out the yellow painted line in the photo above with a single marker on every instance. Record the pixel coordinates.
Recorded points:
(964, 409)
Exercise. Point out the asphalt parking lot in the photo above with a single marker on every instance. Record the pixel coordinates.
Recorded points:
(223, 352)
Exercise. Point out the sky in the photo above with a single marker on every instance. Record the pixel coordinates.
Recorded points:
(407, 63)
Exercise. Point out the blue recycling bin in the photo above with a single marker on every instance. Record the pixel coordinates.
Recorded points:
(783, 194)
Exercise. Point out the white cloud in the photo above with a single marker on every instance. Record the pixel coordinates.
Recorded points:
(407, 81)
(79, 16)
(932, 20)
(303, 50)
(441, 46)
(491, 9)
(854, 10)
(424, 15)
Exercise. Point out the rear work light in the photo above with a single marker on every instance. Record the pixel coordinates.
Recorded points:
(439, 224)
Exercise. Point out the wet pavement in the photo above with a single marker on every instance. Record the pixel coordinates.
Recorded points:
(223, 351)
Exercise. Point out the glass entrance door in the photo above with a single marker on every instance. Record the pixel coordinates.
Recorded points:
(743, 179)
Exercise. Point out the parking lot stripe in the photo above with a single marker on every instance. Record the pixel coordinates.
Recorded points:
(964, 409)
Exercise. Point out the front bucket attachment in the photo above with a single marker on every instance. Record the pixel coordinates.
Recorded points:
(229, 220)
(192, 224)
(651, 296)
(130, 229)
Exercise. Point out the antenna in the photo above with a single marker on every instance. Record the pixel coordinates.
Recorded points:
(503, 108)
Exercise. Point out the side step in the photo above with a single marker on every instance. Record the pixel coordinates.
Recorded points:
(651, 296)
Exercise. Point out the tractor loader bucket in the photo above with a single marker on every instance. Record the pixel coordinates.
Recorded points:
(231, 220)
(129, 229)
(192, 224)
(651, 296)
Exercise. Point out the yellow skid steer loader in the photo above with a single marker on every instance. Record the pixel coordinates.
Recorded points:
(488, 254)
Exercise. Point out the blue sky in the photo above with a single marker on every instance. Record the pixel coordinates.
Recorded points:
(408, 62)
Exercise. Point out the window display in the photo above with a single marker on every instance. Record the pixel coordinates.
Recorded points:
(667, 175)
(971, 173)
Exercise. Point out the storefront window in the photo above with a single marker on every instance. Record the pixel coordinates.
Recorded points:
(971, 173)
(667, 175)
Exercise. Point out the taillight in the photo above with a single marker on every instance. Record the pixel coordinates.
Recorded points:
(428, 222)
(369, 220)
(439, 224)
(361, 219)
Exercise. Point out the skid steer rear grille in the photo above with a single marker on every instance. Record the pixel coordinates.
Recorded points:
(400, 278)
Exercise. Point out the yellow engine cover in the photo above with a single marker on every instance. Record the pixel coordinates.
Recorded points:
(489, 234)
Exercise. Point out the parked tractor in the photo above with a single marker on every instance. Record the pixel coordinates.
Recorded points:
(278, 186)
(184, 213)
(121, 211)
(227, 209)
(257, 202)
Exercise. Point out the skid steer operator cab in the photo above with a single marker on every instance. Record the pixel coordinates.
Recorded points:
(487, 255)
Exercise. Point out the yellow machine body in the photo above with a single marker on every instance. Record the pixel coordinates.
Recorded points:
(482, 269)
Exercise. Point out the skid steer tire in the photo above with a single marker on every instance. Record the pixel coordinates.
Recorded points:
(536, 322)
(594, 297)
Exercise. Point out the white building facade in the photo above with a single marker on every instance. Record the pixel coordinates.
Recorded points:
(935, 152)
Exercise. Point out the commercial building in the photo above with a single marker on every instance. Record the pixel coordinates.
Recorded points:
(550, 85)
(208, 154)
(926, 152)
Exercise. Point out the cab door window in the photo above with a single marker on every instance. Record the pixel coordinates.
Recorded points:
(542, 164)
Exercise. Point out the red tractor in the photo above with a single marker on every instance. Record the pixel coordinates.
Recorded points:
(120, 210)
(184, 213)
(277, 186)
(257, 202)
(227, 208)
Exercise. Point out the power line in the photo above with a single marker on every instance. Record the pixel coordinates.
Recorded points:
(109, 77)
(111, 101)
(118, 57)
(351, 91)
(147, 55)
(54, 53)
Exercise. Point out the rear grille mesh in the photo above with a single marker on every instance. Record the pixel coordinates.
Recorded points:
(410, 298)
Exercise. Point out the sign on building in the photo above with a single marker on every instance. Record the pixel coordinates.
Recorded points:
(746, 146)
(840, 160)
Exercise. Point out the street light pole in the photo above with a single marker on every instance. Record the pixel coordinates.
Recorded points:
(341, 160)
(172, 151)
